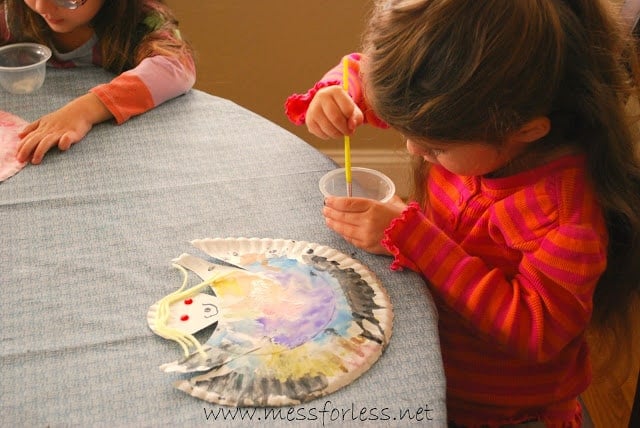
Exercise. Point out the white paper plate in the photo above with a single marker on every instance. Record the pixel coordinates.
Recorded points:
(305, 321)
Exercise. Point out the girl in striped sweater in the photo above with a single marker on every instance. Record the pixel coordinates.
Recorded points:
(525, 220)
(138, 40)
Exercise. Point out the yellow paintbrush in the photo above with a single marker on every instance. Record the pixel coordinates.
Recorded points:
(347, 141)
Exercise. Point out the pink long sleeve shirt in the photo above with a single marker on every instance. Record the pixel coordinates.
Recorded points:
(156, 79)
(512, 264)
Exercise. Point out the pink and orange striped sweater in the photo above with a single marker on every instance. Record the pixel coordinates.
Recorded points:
(512, 264)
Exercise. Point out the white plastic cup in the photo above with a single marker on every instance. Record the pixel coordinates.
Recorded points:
(365, 183)
(23, 67)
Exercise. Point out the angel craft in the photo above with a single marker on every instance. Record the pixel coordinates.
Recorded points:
(295, 321)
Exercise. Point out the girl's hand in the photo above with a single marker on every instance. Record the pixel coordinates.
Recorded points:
(63, 127)
(332, 113)
(362, 221)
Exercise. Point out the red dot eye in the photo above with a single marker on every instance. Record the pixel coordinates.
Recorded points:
(188, 301)
(184, 318)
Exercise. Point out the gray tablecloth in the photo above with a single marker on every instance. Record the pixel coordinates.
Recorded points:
(87, 240)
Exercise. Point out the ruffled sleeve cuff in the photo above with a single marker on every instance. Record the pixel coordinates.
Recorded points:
(398, 228)
(297, 105)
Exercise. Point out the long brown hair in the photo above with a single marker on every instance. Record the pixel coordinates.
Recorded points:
(477, 70)
(125, 37)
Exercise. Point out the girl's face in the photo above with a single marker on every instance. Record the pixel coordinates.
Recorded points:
(464, 158)
(62, 19)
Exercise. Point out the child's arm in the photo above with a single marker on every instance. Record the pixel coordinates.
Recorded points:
(534, 312)
(334, 115)
(164, 69)
(63, 127)
(155, 80)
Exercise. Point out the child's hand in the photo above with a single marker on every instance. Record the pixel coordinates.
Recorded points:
(362, 221)
(332, 113)
(63, 127)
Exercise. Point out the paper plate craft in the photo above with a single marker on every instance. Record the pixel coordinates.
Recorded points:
(295, 321)
(10, 126)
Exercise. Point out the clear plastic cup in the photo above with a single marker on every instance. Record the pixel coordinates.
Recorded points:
(23, 67)
(365, 183)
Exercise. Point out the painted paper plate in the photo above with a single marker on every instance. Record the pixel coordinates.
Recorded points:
(297, 322)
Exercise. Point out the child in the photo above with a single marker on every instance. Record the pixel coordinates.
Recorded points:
(526, 225)
(136, 39)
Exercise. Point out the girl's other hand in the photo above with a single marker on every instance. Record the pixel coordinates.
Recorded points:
(362, 221)
(63, 127)
(332, 113)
